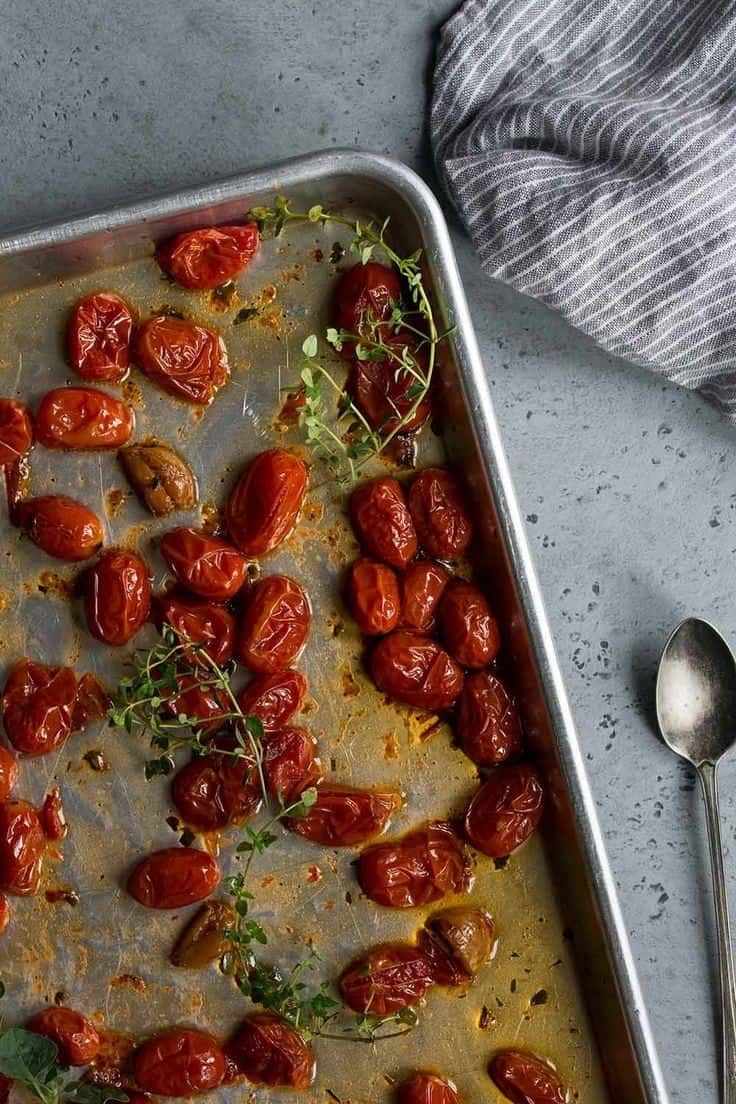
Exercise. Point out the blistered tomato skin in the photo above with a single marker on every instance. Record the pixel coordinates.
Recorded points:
(386, 980)
(365, 294)
(428, 1088)
(77, 1039)
(343, 816)
(16, 431)
(204, 259)
(22, 845)
(382, 392)
(204, 623)
(60, 526)
(38, 706)
(487, 726)
(91, 704)
(268, 1051)
(275, 625)
(416, 670)
(382, 522)
(375, 600)
(469, 629)
(526, 1079)
(274, 699)
(417, 869)
(506, 810)
(83, 418)
(118, 597)
(289, 763)
(264, 504)
(208, 705)
(179, 1063)
(185, 359)
(100, 329)
(422, 586)
(207, 566)
(173, 878)
(213, 791)
(440, 514)
(8, 772)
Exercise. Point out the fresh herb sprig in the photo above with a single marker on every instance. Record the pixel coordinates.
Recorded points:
(32, 1061)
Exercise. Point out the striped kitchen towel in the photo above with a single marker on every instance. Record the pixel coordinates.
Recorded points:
(590, 148)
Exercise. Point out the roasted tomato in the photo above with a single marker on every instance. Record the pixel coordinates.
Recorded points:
(16, 431)
(8, 772)
(188, 360)
(208, 706)
(204, 623)
(91, 704)
(346, 817)
(204, 940)
(274, 699)
(265, 502)
(100, 329)
(118, 597)
(428, 1088)
(469, 629)
(382, 522)
(458, 942)
(83, 418)
(365, 294)
(526, 1079)
(417, 869)
(275, 625)
(289, 764)
(212, 791)
(4, 921)
(440, 514)
(61, 526)
(21, 848)
(205, 565)
(76, 1038)
(160, 476)
(386, 980)
(201, 259)
(270, 1052)
(488, 728)
(417, 671)
(38, 706)
(173, 878)
(51, 816)
(422, 586)
(382, 391)
(506, 810)
(373, 592)
(179, 1063)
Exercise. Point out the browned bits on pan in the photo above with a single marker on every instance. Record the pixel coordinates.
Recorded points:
(203, 939)
(160, 476)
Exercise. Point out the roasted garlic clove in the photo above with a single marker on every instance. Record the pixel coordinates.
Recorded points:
(465, 934)
(160, 476)
(203, 939)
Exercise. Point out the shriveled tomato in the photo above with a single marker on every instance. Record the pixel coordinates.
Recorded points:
(265, 502)
(289, 763)
(386, 980)
(21, 848)
(275, 625)
(382, 522)
(205, 565)
(213, 791)
(416, 869)
(469, 629)
(415, 670)
(343, 816)
(365, 295)
(384, 392)
(206, 706)
(487, 726)
(268, 1051)
(179, 1062)
(118, 597)
(4, 921)
(428, 1088)
(274, 699)
(186, 359)
(51, 816)
(61, 526)
(100, 328)
(16, 431)
(200, 259)
(174, 877)
(527, 1079)
(422, 586)
(8, 772)
(91, 704)
(76, 1038)
(204, 623)
(506, 810)
(373, 591)
(440, 514)
(38, 706)
(83, 418)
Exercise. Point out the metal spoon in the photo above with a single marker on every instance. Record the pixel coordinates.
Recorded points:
(696, 709)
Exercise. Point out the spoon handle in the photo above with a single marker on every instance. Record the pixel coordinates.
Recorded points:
(707, 775)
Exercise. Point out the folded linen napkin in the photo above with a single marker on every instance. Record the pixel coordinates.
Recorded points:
(590, 148)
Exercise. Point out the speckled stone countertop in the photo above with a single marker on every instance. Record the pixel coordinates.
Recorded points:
(626, 483)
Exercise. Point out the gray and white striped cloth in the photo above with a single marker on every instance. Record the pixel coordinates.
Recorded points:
(590, 147)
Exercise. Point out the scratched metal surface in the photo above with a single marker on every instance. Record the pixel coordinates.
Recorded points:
(108, 955)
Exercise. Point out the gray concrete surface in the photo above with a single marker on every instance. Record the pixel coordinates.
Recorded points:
(626, 484)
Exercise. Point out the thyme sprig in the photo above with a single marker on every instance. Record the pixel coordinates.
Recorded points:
(32, 1061)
